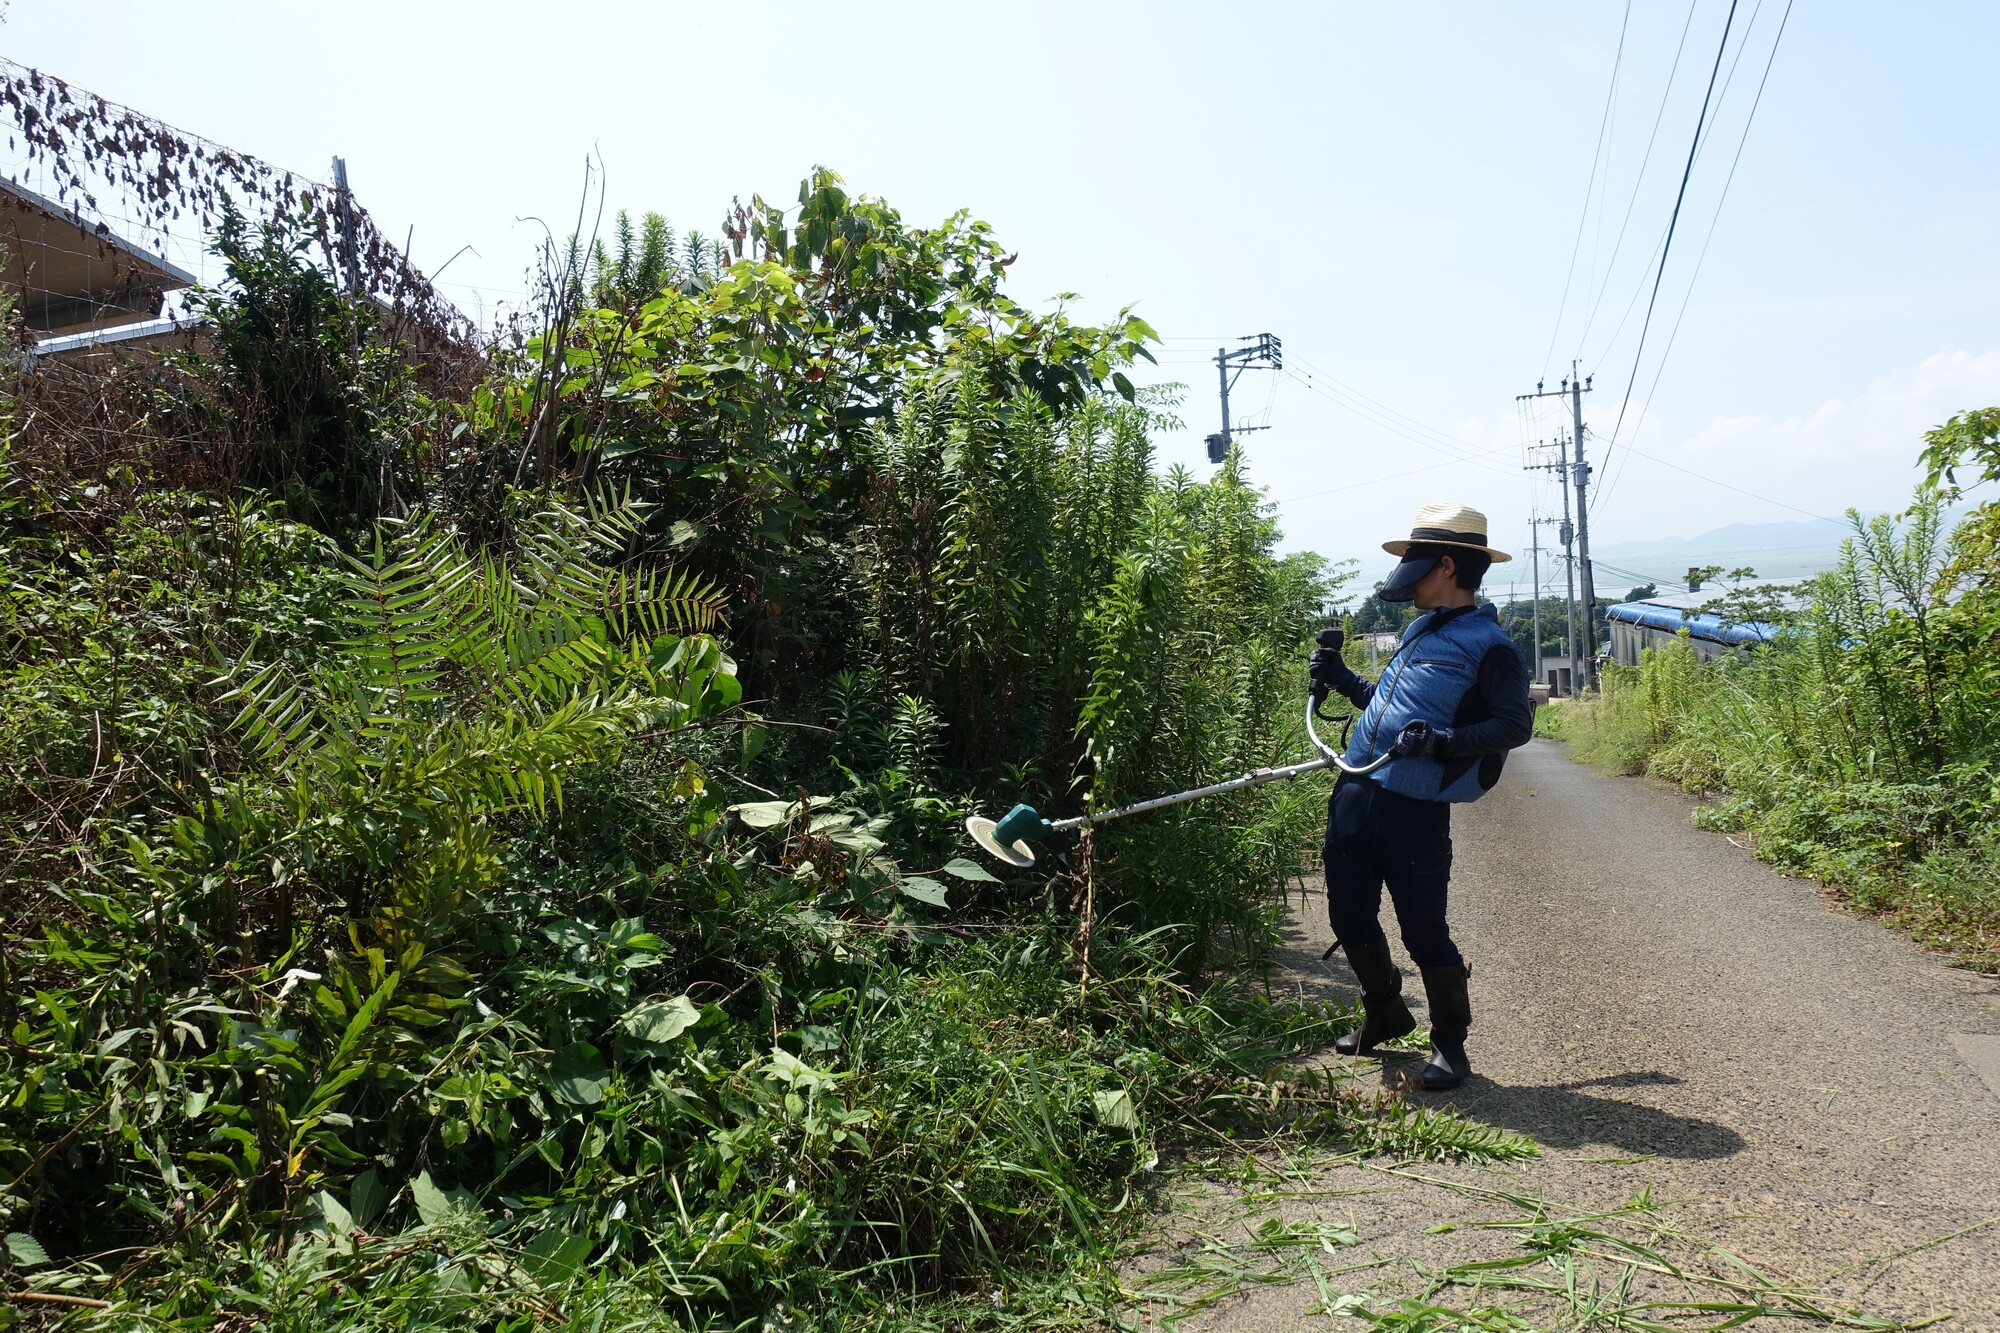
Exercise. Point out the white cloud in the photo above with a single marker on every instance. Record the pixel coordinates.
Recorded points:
(1885, 422)
(1858, 450)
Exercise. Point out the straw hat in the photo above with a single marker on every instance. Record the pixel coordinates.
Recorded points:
(1448, 525)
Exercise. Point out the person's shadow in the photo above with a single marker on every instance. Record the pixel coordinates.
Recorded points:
(1563, 1115)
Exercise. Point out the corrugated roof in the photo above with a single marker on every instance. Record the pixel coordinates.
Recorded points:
(1700, 625)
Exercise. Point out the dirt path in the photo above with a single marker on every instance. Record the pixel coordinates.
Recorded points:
(1799, 1086)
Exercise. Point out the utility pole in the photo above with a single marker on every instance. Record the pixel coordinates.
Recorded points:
(343, 216)
(1573, 388)
(1266, 351)
(1584, 576)
(1563, 533)
(1566, 538)
(1535, 587)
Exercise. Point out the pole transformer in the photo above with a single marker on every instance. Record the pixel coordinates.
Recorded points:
(1266, 351)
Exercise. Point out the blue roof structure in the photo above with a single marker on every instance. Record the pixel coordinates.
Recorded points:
(1700, 625)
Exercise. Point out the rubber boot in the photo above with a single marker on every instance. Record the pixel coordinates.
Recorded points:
(1384, 1015)
(1451, 1019)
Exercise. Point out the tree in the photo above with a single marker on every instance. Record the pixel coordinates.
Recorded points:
(735, 403)
(1375, 616)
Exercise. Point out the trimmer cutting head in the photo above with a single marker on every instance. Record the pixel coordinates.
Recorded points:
(1008, 839)
(981, 828)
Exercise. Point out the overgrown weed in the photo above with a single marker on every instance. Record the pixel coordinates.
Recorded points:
(411, 923)
(1858, 747)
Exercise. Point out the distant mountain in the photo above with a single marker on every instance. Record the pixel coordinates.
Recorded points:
(1813, 533)
(1774, 550)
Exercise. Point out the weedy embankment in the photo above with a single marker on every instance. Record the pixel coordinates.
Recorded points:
(480, 847)
(1858, 745)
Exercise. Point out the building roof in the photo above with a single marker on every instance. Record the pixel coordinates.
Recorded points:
(73, 276)
(130, 337)
(1672, 612)
(1698, 624)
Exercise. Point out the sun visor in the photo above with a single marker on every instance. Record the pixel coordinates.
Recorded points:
(1402, 585)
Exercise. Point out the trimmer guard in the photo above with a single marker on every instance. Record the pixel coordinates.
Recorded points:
(1019, 854)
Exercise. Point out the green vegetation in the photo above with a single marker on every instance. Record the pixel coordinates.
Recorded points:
(481, 847)
(1858, 747)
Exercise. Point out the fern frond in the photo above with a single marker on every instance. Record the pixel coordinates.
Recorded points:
(403, 614)
(611, 518)
(277, 713)
(552, 656)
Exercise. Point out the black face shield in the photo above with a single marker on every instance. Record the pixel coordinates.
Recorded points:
(1402, 585)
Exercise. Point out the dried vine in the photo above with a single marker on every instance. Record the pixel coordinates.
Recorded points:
(163, 175)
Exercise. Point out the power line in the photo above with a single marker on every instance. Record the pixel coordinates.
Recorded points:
(1703, 135)
(1702, 258)
(1727, 486)
(1672, 222)
(1576, 247)
(1314, 372)
(1457, 451)
(1654, 579)
(1638, 182)
(1444, 440)
(1393, 476)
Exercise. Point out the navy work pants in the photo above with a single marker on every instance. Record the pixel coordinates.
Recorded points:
(1375, 837)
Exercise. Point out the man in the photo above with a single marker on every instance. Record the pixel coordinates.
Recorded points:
(1449, 704)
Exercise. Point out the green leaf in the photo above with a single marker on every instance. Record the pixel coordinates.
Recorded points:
(753, 742)
(579, 1075)
(855, 840)
(797, 1074)
(1114, 1109)
(724, 691)
(765, 814)
(971, 870)
(555, 1257)
(666, 653)
(657, 1022)
(333, 1215)
(924, 890)
(630, 933)
(436, 1207)
(25, 1250)
(368, 1197)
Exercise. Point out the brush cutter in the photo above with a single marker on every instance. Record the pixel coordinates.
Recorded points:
(1011, 837)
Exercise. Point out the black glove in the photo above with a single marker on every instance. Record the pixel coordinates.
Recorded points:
(1326, 668)
(1420, 740)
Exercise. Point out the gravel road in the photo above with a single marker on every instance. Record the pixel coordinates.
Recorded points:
(1660, 1010)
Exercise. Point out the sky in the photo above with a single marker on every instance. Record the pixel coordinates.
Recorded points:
(1435, 207)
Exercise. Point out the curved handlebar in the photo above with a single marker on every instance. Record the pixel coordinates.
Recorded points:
(1332, 755)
